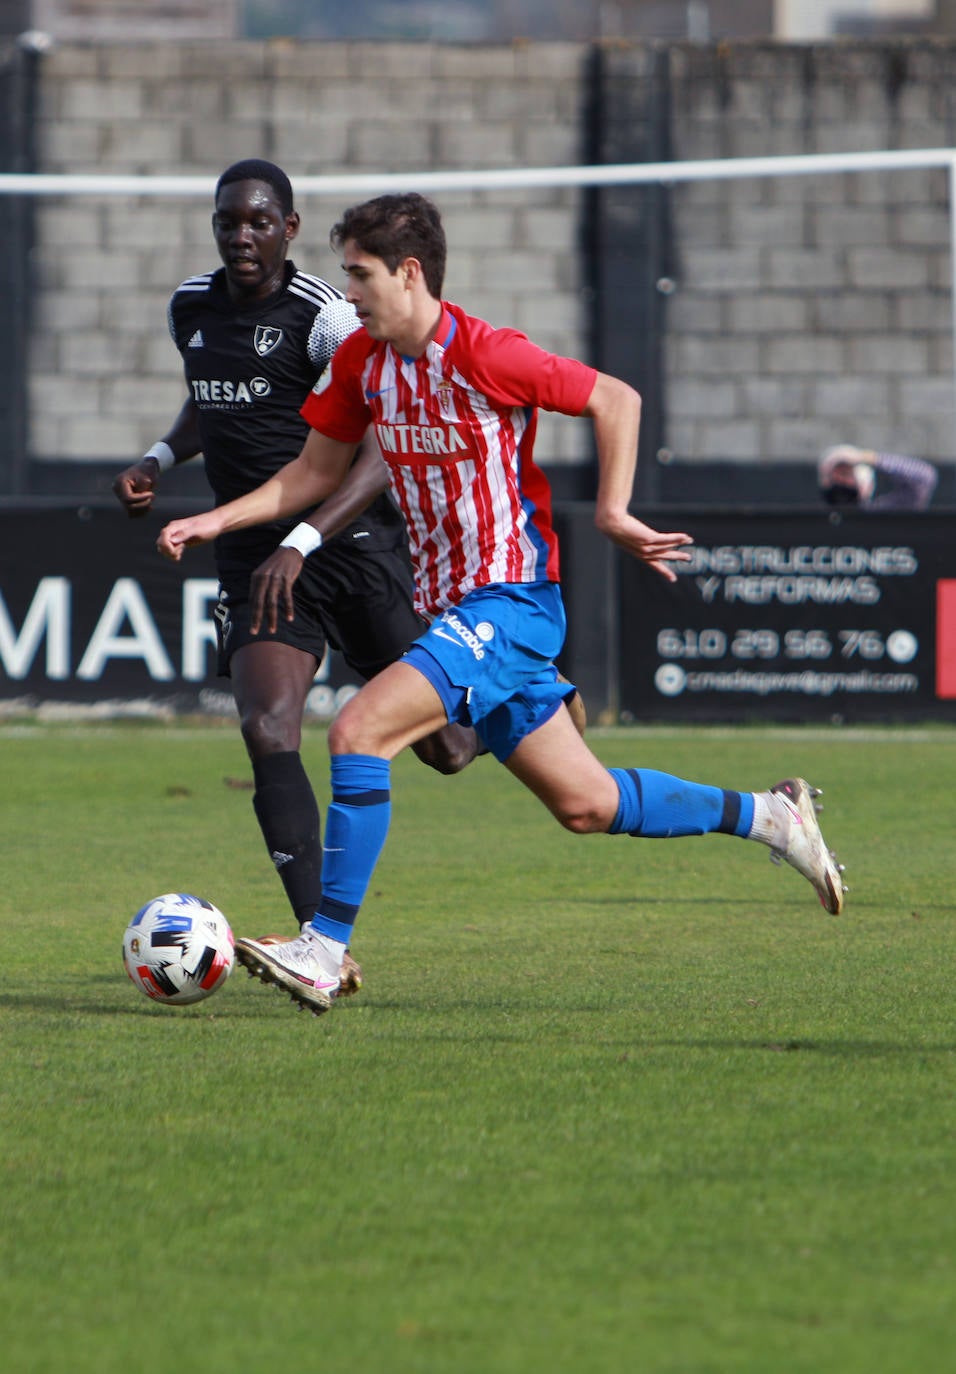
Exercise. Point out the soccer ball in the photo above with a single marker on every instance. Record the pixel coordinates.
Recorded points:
(178, 949)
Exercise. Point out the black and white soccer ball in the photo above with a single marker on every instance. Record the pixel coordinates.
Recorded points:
(178, 949)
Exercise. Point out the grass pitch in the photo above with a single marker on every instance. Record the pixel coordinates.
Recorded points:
(605, 1104)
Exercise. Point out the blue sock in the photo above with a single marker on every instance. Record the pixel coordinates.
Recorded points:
(659, 806)
(356, 825)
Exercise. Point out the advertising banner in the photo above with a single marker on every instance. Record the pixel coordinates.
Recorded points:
(89, 612)
(836, 616)
(778, 617)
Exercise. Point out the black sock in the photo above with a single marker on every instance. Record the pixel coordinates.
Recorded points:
(288, 816)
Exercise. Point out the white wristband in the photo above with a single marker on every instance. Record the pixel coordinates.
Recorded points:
(305, 539)
(163, 454)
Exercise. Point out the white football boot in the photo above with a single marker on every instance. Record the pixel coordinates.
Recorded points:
(296, 966)
(799, 841)
(351, 977)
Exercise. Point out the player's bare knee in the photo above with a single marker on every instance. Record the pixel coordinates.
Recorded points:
(346, 736)
(267, 732)
(448, 751)
(581, 818)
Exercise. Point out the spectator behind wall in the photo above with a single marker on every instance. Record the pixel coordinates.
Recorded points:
(861, 477)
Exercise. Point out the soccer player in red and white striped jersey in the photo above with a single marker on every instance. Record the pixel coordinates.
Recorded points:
(453, 403)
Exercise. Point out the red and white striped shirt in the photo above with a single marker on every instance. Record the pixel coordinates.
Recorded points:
(456, 427)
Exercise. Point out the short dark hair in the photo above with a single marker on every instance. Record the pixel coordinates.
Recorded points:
(394, 228)
(257, 169)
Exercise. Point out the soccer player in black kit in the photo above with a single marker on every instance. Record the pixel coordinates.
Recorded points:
(255, 336)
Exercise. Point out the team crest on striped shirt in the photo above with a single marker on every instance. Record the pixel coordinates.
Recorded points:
(267, 338)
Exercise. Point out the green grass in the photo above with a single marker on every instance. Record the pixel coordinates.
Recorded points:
(604, 1105)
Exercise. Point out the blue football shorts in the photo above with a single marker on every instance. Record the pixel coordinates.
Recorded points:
(491, 660)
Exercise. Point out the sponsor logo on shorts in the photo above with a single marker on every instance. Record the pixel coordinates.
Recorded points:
(474, 639)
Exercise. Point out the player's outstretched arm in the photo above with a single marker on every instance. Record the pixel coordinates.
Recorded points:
(270, 589)
(307, 480)
(615, 410)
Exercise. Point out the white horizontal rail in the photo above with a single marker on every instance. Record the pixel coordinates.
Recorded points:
(513, 178)
(517, 178)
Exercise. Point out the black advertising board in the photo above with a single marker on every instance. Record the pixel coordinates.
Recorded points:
(794, 617)
(89, 612)
(785, 617)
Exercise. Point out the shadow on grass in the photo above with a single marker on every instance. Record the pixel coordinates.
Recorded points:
(623, 1047)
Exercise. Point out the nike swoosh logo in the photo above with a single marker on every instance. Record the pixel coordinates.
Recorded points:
(370, 395)
(443, 634)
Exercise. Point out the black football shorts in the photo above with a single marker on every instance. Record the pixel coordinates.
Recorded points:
(358, 600)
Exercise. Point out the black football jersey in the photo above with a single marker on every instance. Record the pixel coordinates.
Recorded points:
(249, 368)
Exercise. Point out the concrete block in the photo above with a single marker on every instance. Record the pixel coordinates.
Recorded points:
(548, 230)
(702, 400)
(66, 62)
(905, 187)
(61, 396)
(102, 101)
(555, 316)
(847, 312)
(802, 353)
(100, 270)
(854, 225)
(887, 268)
(800, 440)
(811, 269)
(162, 359)
(705, 227)
(141, 221)
(851, 396)
(76, 224)
(929, 312)
(216, 143)
(939, 349)
(46, 436)
(143, 316)
(890, 354)
(541, 143)
(776, 397)
(687, 312)
(709, 357)
(143, 147)
(473, 62)
(92, 354)
(722, 269)
(157, 397)
(768, 313)
(561, 439)
(287, 146)
(68, 313)
(486, 228)
(146, 62)
(526, 270)
(722, 439)
(65, 147)
(777, 225)
(227, 63)
(924, 225)
(465, 145)
(555, 65)
(385, 147)
(918, 396)
(102, 437)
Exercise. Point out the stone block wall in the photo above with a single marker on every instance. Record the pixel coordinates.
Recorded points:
(806, 310)
(811, 310)
(106, 379)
